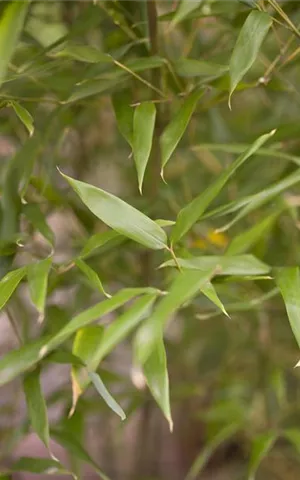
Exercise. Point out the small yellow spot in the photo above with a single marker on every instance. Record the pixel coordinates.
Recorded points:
(218, 239)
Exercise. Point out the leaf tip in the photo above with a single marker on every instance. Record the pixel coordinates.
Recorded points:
(162, 176)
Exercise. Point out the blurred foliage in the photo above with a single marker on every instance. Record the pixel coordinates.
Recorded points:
(137, 135)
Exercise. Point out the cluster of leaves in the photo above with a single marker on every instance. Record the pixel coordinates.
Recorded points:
(222, 87)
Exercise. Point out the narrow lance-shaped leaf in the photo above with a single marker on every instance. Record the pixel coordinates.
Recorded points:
(119, 215)
(35, 216)
(176, 128)
(210, 292)
(91, 275)
(185, 7)
(11, 24)
(24, 116)
(36, 406)
(194, 210)
(96, 241)
(143, 128)
(84, 53)
(9, 283)
(124, 114)
(260, 448)
(156, 374)
(288, 281)
(184, 287)
(85, 345)
(40, 466)
(247, 46)
(109, 400)
(37, 274)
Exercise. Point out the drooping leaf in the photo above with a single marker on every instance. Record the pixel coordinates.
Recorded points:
(11, 25)
(124, 113)
(36, 405)
(109, 400)
(91, 275)
(288, 281)
(35, 216)
(96, 241)
(156, 374)
(40, 466)
(143, 128)
(119, 215)
(210, 292)
(260, 448)
(227, 265)
(247, 46)
(184, 287)
(37, 274)
(191, 213)
(70, 443)
(222, 436)
(176, 128)
(9, 283)
(24, 116)
(20, 360)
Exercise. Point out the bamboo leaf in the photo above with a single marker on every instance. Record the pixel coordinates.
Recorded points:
(176, 128)
(24, 116)
(184, 9)
(260, 448)
(288, 281)
(143, 128)
(37, 274)
(119, 215)
(124, 114)
(84, 53)
(195, 209)
(96, 241)
(109, 400)
(40, 466)
(92, 276)
(210, 292)
(37, 219)
(190, 67)
(9, 283)
(247, 46)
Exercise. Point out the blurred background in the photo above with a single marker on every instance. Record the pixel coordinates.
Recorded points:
(234, 389)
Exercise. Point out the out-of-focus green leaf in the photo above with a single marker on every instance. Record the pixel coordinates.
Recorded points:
(97, 241)
(225, 265)
(40, 466)
(9, 283)
(124, 113)
(84, 53)
(222, 436)
(37, 274)
(119, 215)
(194, 210)
(35, 216)
(260, 449)
(190, 67)
(288, 281)
(92, 276)
(210, 292)
(156, 374)
(143, 128)
(293, 436)
(247, 46)
(24, 116)
(109, 400)
(11, 25)
(36, 405)
(70, 443)
(185, 7)
(176, 128)
(64, 357)
(85, 345)
(184, 287)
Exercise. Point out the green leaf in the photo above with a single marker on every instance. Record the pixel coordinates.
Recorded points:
(195, 209)
(24, 116)
(37, 274)
(293, 436)
(156, 374)
(96, 241)
(225, 265)
(186, 285)
(210, 447)
(288, 282)
(143, 128)
(109, 400)
(124, 113)
(20, 360)
(185, 7)
(11, 25)
(9, 283)
(84, 53)
(210, 292)
(36, 406)
(119, 215)
(40, 465)
(190, 67)
(92, 276)
(247, 46)
(35, 216)
(64, 357)
(260, 448)
(66, 440)
(176, 128)
(85, 345)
